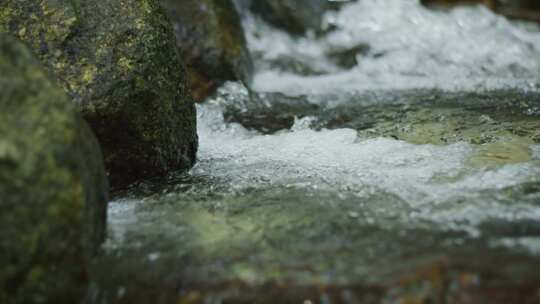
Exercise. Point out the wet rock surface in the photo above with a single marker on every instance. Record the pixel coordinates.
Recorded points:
(53, 186)
(347, 58)
(415, 116)
(118, 61)
(296, 17)
(289, 247)
(293, 64)
(211, 41)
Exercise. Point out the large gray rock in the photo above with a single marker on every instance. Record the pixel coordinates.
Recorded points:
(117, 59)
(211, 40)
(53, 187)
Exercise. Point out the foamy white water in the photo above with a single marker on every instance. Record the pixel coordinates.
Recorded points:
(410, 47)
(340, 161)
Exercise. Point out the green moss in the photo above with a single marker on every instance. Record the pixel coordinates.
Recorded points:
(52, 184)
(118, 61)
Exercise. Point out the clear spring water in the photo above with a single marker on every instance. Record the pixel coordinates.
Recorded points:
(430, 145)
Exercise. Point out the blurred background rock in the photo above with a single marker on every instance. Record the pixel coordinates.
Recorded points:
(514, 9)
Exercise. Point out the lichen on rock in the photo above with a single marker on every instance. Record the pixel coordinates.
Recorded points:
(117, 60)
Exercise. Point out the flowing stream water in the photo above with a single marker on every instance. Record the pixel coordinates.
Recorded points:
(411, 174)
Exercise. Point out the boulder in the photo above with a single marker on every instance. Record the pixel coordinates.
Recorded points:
(211, 40)
(118, 61)
(347, 57)
(53, 187)
(294, 16)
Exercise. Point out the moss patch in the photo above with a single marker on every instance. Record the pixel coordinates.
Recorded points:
(52, 184)
(118, 61)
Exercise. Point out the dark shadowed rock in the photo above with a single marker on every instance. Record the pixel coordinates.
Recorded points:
(347, 58)
(52, 186)
(117, 59)
(211, 40)
(296, 16)
(297, 64)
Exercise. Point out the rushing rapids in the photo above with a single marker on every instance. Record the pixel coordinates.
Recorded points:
(414, 174)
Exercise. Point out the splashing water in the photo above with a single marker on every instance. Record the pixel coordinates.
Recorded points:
(341, 160)
(410, 47)
(429, 145)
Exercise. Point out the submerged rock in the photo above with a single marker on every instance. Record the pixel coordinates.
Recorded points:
(211, 40)
(118, 61)
(488, 3)
(295, 64)
(52, 186)
(347, 58)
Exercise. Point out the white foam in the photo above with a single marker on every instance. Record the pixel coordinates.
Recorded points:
(432, 180)
(337, 159)
(411, 47)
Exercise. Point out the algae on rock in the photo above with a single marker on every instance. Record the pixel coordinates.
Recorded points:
(211, 40)
(53, 186)
(118, 61)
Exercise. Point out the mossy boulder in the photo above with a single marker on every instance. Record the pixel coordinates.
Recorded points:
(53, 187)
(117, 59)
(211, 40)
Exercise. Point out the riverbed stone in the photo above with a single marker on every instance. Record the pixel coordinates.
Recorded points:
(210, 39)
(118, 61)
(53, 186)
